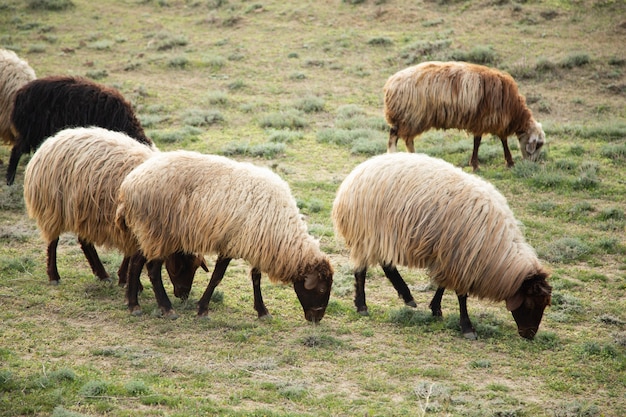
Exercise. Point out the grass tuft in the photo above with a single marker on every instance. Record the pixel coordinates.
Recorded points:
(52, 5)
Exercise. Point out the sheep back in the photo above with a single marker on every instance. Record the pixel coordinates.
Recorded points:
(14, 73)
(71, 184)
(460, 95)
(185, 201)
(421, 212)
(47, 105)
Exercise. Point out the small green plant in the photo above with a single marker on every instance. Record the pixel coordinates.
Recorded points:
(573, 60)
(165, 41)
(178, 62)
(289, 119)
(310, 104)
(284, 136)
(97, 74)
(380, 41)
(93, 389)
(198, 117)
(565, 250)
(136, 388)
(53, 5)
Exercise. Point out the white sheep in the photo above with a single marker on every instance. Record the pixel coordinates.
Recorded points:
(421, 212)
(71, 185)
(186, 201)
(14, 73)
(459, 95)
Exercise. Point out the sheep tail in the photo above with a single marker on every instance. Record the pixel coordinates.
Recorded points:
(120, 218)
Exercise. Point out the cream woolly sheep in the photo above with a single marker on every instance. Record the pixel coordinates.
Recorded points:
(186, 201)
(71, 185)
(14, 73)
(459, 95)
(421, 212)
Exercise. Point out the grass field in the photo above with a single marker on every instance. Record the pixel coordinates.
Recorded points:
(297, 86)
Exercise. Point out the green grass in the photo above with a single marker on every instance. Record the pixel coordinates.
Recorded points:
(297, 86)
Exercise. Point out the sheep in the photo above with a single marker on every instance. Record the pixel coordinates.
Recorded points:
(421, 212)
(14, 73)
(71, 184)
(459, 95)
(47, 105)
(233, 209)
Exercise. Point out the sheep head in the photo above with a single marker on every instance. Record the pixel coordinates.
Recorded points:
(313, 290)
(181, 268)
(531, 140)
(528, 303)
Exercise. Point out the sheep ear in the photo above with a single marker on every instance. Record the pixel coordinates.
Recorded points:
(310, 281)
(514, 302)
(204, 266)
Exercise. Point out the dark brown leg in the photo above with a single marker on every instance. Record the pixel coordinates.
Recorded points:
(134, 267)
(53, 272)
(259, 305)
(435, 304)
(122, 272)
(94, 261)
(154, 272)
(410, 144)
(474, 160)
(218, 273)
(392, 143)
(359, 291)
(507, 153)
(466, 325)
(391, 272)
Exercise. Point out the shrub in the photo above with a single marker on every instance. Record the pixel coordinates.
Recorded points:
(291, 119)
(197, 117)
(575, 60)
(310, 104)
(565, 250)
(54, 5)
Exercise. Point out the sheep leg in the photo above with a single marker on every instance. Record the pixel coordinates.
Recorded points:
(122, 272)
(392, 143)
(53, 272)
(391, 272)
(218, 273)
(474, 160)
(259, 305)
(359, 291)
(134, 266)
(466, 325)
(163, 301)
(16, 154)
(94, 261)
(507, 153)
(435, 304)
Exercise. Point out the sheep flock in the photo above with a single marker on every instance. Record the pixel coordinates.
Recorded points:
(95, 173)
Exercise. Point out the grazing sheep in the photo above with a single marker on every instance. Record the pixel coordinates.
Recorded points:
(186, 201)
(71, 185)
(459, 95)
(47, 105)
(14, 73)
(421, 212)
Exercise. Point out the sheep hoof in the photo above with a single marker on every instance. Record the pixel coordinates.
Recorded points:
(204, 316)
(106, 280)
(54, 282)
(471, 335)
(136, 311)
(266, 317)
(411, 303)
(363, 312)
(170, 315)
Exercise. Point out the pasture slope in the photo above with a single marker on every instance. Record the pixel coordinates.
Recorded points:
(297, 86)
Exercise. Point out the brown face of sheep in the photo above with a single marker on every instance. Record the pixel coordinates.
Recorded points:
(314, 291)
(531, 141)
(181, 268)
(528, 303)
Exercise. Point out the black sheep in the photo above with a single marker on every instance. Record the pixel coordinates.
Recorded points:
(48, 105)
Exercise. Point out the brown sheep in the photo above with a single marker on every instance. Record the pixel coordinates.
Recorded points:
(460, 95)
